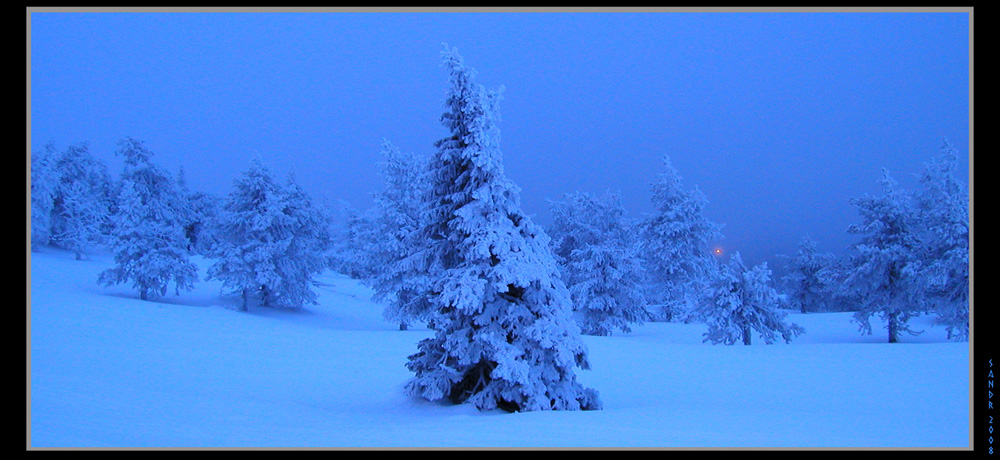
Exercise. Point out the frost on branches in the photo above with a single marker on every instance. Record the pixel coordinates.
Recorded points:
(743, 302)
(600, 262)
(504, 335)
(148, 228)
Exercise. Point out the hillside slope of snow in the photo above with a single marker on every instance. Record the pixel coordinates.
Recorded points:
(109, 370)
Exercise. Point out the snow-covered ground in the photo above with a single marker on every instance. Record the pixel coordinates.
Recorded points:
(109, 370)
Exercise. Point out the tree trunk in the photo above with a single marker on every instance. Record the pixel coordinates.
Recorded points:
(142, 294)
(746, 335)
(893, 328)
(243, 305)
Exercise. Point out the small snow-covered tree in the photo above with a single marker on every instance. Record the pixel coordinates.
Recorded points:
(356, 243)
(675, 245)
(271, 241)
(398, 279)
(203, 209)
(81, 203)
(200, 209)
(806, 289)
(504, 336)
(147, 235)
(744, 302)
(82, 216)
(254, 233)
(303, 258)
(943, 207)
(600, 261)
(884, 273)
(44, 180)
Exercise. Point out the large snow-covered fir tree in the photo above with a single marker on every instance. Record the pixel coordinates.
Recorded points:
(884, 272)
(943, 205)
(744, 302)
(81, 202)
(675, 241)
(504, 336)
(805, 288)
(256, 253)
(598, 253)
(147, 235)
(397, 278)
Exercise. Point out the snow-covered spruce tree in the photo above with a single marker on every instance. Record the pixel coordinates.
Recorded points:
(355, 245)
(943, 205)
(398, 278)
(201, 209)
(885, 270)
(743, 302)
(82, 201)
(147, 235)
(303, 258)
(600, 262)
(838, 298)
(44, 180)
(806, 290)
(504, 334)
(675, 241)
(254, 233)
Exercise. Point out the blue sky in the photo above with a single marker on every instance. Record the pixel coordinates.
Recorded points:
(779, 118)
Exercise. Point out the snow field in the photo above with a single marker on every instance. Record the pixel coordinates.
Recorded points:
(109, 370)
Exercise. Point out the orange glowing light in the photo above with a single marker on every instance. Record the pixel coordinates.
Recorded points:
(718, 251)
